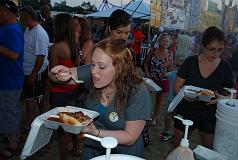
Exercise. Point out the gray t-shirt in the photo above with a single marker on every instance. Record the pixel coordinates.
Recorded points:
(138, 108)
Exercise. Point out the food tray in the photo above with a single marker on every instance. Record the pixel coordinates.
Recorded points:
(67, 128)
(186, 91)
(173, 104)
(192, 92)
(152, 85)
(203, 153)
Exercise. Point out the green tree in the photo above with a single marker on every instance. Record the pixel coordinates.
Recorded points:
(37, 3)
(62, 7)
(84, 8)
(88, 7)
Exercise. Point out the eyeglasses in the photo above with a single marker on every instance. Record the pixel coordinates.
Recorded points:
(215, 49)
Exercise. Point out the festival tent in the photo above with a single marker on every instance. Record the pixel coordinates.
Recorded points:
(137, 9)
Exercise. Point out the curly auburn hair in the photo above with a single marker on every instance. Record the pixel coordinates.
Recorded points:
(127, 77)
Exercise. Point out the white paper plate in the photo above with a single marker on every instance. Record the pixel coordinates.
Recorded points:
(203, 153)
(152, 85)
(118, 157)
(68, 128)
(190, 91)
(186, 91)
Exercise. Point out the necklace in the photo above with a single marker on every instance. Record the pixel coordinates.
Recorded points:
(107, 93)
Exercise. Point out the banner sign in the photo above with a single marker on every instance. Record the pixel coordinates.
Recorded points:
(173, 19)
(156, 11)
(195, 13)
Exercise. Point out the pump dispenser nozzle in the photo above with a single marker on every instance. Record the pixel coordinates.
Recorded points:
(184, 142)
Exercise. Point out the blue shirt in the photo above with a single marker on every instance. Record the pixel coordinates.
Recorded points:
(11, 71)
(171, 77)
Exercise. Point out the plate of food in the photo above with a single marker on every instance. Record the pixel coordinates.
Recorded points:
(198, 93)
(71, 119)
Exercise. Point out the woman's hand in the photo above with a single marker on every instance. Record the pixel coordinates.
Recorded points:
(218, 97)
(91, 129)
(189, 99)
(61, 73)
(166, 62)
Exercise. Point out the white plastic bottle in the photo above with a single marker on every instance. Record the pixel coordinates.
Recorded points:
(183, 152)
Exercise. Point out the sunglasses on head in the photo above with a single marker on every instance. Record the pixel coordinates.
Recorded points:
(215, 49)
(164, 34)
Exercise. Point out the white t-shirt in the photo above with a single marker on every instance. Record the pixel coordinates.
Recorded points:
(36, 43)
(184, 43)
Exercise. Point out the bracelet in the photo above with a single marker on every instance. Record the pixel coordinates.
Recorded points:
(98, 132)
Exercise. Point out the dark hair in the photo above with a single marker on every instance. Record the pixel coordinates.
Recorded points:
(138, 25)
(211, 34)
(85, 30)
(64, 31)
(45, 8)
(29, 11)
(119, 18)
(45, 11)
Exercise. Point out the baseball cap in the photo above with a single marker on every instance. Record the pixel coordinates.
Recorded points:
(10, 5)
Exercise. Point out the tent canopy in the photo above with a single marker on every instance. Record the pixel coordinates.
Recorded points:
(137, 9)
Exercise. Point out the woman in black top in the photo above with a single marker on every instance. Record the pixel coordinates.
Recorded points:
(206, 70)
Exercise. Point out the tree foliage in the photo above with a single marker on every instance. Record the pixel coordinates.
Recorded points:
(37, 3)
(62, 7)
(84, 8)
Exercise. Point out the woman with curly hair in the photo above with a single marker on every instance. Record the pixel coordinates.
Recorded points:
(117, 92)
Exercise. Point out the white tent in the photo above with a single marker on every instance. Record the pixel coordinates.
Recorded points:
(137, 9)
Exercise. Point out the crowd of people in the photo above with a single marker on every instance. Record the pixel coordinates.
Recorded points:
(39, 58)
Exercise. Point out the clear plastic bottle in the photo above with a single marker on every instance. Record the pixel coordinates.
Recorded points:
(183, 152)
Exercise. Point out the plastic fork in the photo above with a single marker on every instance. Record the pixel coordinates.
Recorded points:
(76, 80)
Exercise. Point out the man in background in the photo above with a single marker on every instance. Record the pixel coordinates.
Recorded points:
(35, 63)
(184, 44)
(138, 37)
(11, 76)
(48, 23)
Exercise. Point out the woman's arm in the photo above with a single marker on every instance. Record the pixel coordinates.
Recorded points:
(147, 62)
(53, 56)
(62, 74)
(178, 84)
(59, 73)
(128, 136)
